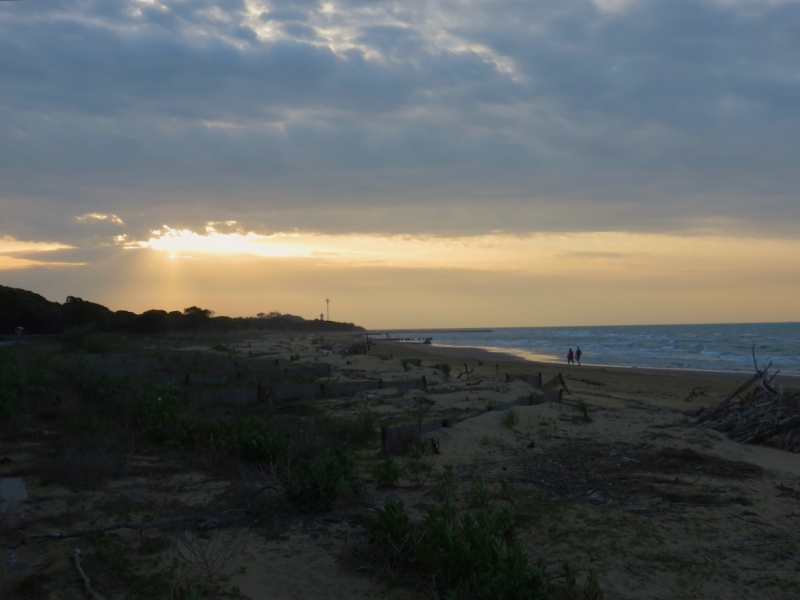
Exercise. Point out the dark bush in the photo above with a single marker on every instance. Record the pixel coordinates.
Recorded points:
(9, 408)
(317, 485)
(159, 412)
(387, 472)
(84, 338)
(19, 377)
(254, 439)
(89, 424)
(471, 555)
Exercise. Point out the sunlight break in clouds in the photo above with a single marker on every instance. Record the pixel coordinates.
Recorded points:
(100, 217)
(10, 247)
(591, 256)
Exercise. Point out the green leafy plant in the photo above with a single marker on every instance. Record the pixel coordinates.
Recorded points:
(159, 412)
(506, 489)
(89, 424)
(9, 407)
(254, 439)
(448, 477)
(479, 494)
(570, 580)
(510, 418)
(317, 485)
(17, 379)
(592, 590)
(387, 472)
(417, 468)
(468, 555)
(445, 368)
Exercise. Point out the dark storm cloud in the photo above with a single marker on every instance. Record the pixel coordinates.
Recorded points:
(658, 114)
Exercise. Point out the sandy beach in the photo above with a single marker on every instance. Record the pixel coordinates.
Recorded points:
(614, 477)
(484, 354)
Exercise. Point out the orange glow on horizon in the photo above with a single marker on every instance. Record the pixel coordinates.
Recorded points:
(590, 255)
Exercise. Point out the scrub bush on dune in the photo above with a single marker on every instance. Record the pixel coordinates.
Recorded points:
(317, 485)
(17, 380)
(9, 407)
(469, 555)
(159, 412)
(387, 472)
(256, 440)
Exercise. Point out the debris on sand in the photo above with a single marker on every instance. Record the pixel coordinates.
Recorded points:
(758, 413)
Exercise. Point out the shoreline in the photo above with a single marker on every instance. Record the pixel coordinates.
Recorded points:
(480, 353)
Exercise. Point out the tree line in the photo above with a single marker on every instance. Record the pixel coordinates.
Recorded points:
(37, 315)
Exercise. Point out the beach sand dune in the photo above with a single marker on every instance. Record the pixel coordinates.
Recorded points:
(614, 477)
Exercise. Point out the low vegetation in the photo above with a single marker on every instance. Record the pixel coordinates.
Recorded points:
(468, 554)
(91, 428)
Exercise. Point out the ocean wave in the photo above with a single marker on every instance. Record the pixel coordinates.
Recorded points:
(692, 346)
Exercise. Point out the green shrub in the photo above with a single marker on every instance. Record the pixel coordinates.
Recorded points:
(510, 418)
(9, 407)
(89, 424)
(479, 494)
(448, 477)
(159, 412)
(445, 368)
(254, 439)
(17, 379)
(316, 486)
(94, 344)
(86, 339)
(102, 386)
(592, 590)
(506, 489)
(417, 468)
(387, 472)
(468, 555)
(194, 433)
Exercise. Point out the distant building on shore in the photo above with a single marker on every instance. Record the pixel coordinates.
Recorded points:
(321, 316)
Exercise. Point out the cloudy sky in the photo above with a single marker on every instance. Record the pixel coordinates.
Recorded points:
(437, 163)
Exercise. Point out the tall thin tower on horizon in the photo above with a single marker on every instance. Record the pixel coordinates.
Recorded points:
(328, 307)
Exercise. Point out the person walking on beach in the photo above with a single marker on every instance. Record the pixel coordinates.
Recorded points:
(578, 354)
(570, 357)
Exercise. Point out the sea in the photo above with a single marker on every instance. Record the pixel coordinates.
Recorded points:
(716, 347)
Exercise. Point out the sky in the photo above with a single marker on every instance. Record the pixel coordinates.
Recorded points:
(446, 163)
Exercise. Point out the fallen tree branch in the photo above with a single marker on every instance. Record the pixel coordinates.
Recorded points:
(724, 404)
(76, 560)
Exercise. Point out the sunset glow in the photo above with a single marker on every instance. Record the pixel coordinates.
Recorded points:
(447, 164)
(590, 255)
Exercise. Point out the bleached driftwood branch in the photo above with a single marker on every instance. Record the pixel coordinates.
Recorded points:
(76, 560)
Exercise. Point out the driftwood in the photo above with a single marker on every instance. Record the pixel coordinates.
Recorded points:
(756, 412)
(76, 560)
(466, 372)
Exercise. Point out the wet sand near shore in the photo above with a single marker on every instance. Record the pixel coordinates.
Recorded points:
(484, 354)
